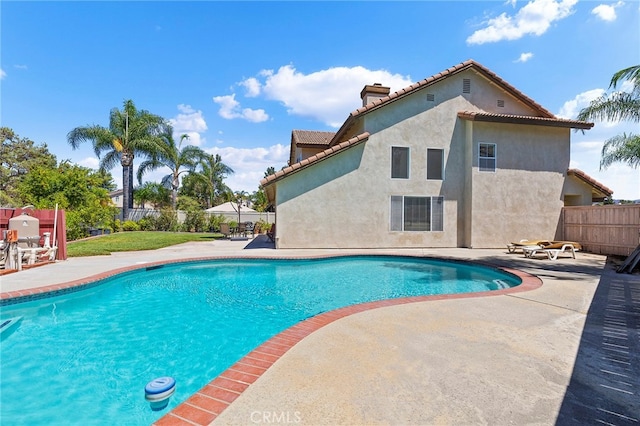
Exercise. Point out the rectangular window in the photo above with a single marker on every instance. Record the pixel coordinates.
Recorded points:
(417, 213)
(487, 157)
(435, 164)
(399, 162)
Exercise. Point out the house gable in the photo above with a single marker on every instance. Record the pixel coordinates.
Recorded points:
(509, 98)
(308, 142)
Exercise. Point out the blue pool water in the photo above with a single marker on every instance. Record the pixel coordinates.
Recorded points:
(85, 357)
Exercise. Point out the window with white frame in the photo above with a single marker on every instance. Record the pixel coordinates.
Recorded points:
(487, 157)
(435, 164)
(417, 213)
(399, 162)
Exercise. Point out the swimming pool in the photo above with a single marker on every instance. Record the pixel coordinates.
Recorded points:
(84, 358)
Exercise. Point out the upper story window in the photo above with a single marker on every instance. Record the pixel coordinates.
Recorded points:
(298, 155)
(399, 162)
(435, 164)
(487, 157)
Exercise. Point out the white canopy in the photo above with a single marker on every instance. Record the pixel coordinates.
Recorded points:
(230, 207)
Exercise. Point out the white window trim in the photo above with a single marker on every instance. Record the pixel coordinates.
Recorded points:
(494, 158)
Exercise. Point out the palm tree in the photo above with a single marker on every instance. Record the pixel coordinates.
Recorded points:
(177, 158)
(152, 192)
(210, 180)
(618, 106)
(130, 132)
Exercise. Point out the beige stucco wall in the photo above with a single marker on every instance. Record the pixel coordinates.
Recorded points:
(576, 192)
(523, 198)
(344, 201)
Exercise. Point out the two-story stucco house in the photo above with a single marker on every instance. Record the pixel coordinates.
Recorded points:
(460, 159)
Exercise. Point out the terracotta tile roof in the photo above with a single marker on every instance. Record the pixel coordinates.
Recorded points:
(523, 119)
(470, 64)
(590, 181)
(314, 159)
(311, 137)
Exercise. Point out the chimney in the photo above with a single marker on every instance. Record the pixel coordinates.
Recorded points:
(372, 92)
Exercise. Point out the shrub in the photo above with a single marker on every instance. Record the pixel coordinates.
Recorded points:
(130, 225)
(167, 220)
(147, 223)
(261, 226)
(214, 222)
(195, 221)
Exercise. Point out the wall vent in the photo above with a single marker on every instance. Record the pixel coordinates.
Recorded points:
(431, 97)
(466, 85)
(501, 103)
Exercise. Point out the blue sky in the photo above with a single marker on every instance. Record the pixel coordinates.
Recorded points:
(239, 76)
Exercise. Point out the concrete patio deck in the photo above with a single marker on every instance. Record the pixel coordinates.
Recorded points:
(565, 353)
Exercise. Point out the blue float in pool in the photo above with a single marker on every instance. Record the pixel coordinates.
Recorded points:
(158, 391)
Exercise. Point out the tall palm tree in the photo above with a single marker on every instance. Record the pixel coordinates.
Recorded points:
(211, 178)
(618, 106)
(177, 158)
(130, 132)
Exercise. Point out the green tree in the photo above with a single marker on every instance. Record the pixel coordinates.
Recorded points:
(130, 132)
(18, 156)
(78, 190)
(207, 184)
(152, 192)
(618, 106)
(174, 156)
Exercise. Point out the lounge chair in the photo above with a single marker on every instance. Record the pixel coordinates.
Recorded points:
(554, 249)
(272, 233)
(522, 244)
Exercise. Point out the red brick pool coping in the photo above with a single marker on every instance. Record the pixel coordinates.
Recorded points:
(205, 405)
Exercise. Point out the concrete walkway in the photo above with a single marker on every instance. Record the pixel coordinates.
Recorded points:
(566, 353)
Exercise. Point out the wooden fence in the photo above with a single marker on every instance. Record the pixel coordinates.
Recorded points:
(46, 218)
(610, 229)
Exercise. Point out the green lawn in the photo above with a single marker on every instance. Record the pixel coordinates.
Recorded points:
(131, 241)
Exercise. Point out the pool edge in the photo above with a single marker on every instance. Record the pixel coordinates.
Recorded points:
(210, 401)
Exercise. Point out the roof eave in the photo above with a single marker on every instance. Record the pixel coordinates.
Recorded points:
(314, 159)
(535, 121)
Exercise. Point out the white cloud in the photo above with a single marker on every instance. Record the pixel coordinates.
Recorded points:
(190, 122)
(606, 12)
(2, 74)
(327, 95)
(252, 86)
(571, 108)
(90, 162)
(249, 164)
(20, 67)
(524, 57)
(534, 18)
(230, 109)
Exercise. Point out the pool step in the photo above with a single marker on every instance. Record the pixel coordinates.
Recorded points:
(501, 284)
(7, 326)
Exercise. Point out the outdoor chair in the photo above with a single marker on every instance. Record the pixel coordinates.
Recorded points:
(522, 244)
(554, 249)
(225, 230)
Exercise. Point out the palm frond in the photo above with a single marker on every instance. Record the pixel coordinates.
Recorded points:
(621, 149)
(632, 74)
